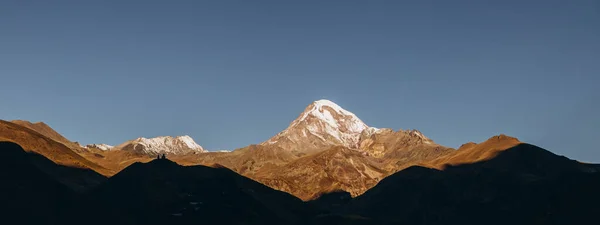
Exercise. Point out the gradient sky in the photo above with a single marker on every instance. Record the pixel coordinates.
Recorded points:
(234, 73)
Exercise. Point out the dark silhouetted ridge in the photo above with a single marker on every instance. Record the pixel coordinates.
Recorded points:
(528, 159)
(55, 151)
(163, 192)
(28, 195)
(524, 184)
(332, 201)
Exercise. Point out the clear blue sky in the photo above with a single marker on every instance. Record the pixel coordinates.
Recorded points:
(234, 73)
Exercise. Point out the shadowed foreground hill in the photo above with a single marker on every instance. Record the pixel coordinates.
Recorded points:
(28, 195)
(158, 192)
(163, 192)
(54, 158)
(521, 185)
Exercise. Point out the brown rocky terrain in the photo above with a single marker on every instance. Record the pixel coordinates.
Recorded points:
(47, 131)
(472, 152)
(401, 149)
(246, 161)
(337, 168)
(59, 153)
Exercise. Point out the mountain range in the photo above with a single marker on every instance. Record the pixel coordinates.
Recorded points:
(326, 167)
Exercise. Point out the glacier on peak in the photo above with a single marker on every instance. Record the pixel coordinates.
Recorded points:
(344, 117)
(326, 121)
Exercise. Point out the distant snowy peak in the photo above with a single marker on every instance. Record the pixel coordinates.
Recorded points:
(323, 123)
(162, 145)
(103, 147)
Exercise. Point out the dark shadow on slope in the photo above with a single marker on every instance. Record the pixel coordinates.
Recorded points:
(522, 185)
(341, 219)
(330, 206)
(77, 179)
(28, 195)
(331, 202)
(527, 159)
(163, 192)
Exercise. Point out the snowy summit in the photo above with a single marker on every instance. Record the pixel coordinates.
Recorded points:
(323, 123)
(339, 118)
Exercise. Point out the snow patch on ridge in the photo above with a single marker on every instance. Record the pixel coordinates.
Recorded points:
(103, 147)
(221, 151)
(163, 145)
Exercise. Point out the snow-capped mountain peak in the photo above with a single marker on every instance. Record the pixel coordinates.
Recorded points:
(162, 145)
(334, 115)
(323, 123)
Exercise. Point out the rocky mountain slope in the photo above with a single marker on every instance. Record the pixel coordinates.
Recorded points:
(247, 161)
(59, 153)
(472, 152)
(47, 131)
(396, 150)
(338, 168)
